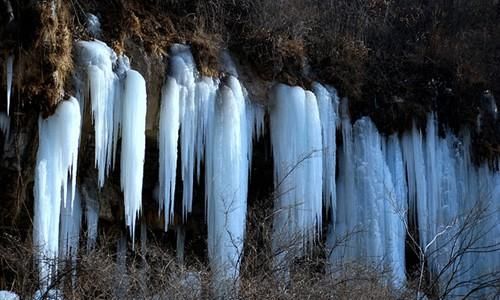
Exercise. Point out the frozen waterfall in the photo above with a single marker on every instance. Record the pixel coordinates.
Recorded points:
(371, 205)
(298, 169)
(376, 196)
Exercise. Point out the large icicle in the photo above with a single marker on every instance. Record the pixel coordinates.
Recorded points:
(183, 70)
(396, 208)
(133, 145)
(179, 108)
(56, 157)
(227, 183)
(97, 79)
(169, 135)
(342, 236)
(297, 145)
(10, 74)
(328, 110)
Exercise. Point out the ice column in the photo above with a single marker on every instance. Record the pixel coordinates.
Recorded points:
(328, 111)
(226, 182)
(133, 145)
(371, 198)
(298, 168)
(56, 157)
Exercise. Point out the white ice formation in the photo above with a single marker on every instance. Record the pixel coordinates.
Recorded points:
(10, 74)
(118, 100)
(55, 180)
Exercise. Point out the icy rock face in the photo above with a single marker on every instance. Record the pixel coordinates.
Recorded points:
(298, 168)
(56, 157)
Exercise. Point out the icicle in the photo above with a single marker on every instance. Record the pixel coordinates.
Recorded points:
(296, 141)
(179, 108)
(226, 183)
(206, 92)
(328, 110)
(342, 235)
(10, 74)
(413, 157)
(96, 60)
(5, 125)
(396, 208)
(92, 219)
(69, 235)
(169, 135)
(69, 231)
(133, 146)
(181, 240)
(57, 155)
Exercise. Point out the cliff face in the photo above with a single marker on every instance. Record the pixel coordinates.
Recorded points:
(256, 102)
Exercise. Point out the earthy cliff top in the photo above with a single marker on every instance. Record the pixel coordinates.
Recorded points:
(395, 60)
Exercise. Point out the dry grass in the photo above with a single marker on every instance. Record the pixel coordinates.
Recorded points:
(45, 64)
(154, 273)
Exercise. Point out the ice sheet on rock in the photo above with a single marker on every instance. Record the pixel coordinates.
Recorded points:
(133, 146)
(56, 158)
